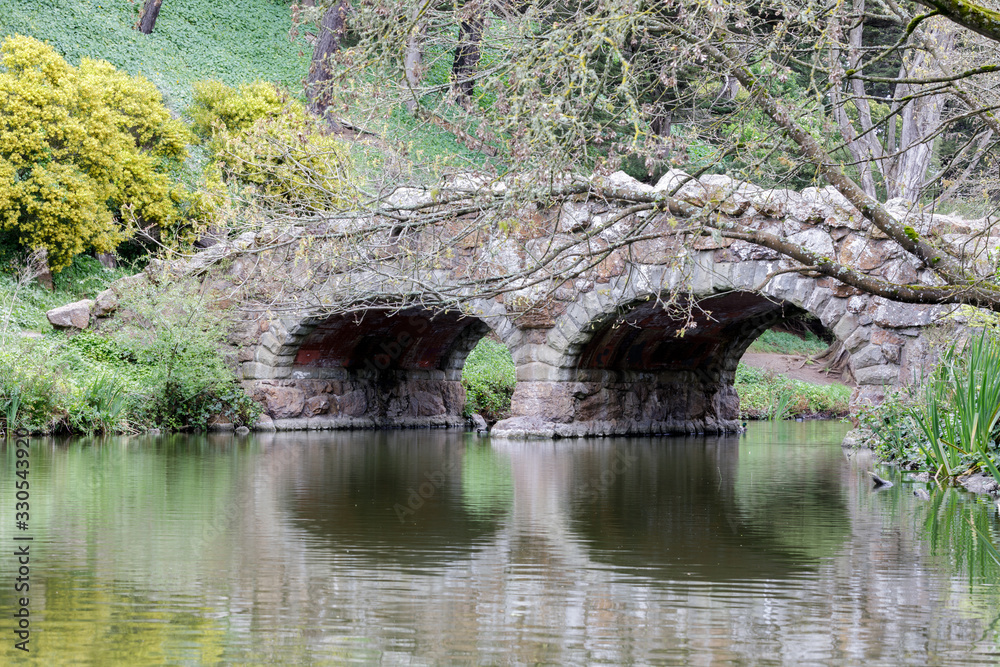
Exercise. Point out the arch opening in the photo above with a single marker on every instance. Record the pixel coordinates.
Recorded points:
(647, 369)
(637, 368)
(379, 369)
(385, 341)
(646, 337)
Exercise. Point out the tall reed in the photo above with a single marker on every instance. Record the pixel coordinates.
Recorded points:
(11, 408)
(961, 407)
(780, 405)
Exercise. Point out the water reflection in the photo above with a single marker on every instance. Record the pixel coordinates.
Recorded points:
(709, 511)
(413, 499)
(438, 547)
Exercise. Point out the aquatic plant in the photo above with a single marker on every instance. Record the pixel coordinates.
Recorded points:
(780, 404)
(961, 407)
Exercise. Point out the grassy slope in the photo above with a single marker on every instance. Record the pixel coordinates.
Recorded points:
(784, 342)
(24, 308)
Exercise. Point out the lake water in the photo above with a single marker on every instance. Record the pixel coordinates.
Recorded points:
(436, 547)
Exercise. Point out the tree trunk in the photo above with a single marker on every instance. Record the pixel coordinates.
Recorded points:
(413, 61)
(865, 147)
(919, 119)
(331, 30)
(467, 53)
(147, 17)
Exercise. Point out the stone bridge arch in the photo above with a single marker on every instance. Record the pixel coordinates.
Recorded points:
(377, 368)
(611, 364)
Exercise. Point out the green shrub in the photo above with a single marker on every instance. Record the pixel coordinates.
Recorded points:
(267, 151)
(489, 379)
(220, 108)
(766, 395)
(174, 339)
(156, 364)
(896, 435)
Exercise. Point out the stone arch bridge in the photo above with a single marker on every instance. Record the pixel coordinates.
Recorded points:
(601, 355)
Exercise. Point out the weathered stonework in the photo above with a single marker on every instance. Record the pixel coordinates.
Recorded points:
(596, 355)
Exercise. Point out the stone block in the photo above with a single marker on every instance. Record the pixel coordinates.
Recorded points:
(892, 352)
(265, 424)
(253, 370)
(816, 302)
(835, 308)
(877, 375)
(536, 371)
(845, 327)
(893, 315)
(742, 275)
(292, 424)
(280, 402)
(284, 360)
(316, 405)
(353, 403)
(263, 356)
(857, 340)
(74, 315)
(880, 336)
(870, 355)
(270, 342)
(540, 353)
(105, 303)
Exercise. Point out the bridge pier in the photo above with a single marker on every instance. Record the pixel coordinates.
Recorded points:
(621, 403)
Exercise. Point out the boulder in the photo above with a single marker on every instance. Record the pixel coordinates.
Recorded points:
(219, 423)
(74, 315)
(265, 423)
(281, 402)
(479, 423)
(106, 303)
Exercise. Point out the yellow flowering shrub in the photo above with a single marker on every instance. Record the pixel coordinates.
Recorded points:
(266, 146)
(218, 107)
(82, 150)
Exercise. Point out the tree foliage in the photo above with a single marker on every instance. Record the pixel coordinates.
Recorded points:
(863, 95)
(85, 150)
(265, 146)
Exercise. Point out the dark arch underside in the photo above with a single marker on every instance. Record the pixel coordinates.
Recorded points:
(647, 337)
(382, 340)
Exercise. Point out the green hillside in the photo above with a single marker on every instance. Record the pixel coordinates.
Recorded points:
(234, 41)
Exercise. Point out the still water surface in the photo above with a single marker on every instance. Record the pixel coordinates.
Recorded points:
(433, 547)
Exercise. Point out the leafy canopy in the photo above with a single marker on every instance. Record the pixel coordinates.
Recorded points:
(85, 150)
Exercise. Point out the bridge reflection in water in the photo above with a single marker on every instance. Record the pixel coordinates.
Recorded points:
(439, 547)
